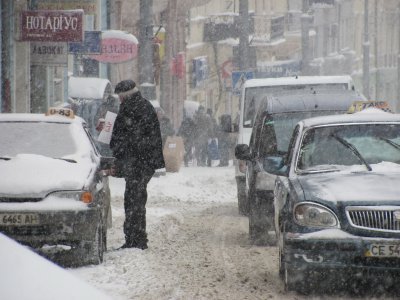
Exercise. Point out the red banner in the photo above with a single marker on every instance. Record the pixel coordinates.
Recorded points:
(52, 26)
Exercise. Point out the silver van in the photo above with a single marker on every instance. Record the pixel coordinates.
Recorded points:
(254, 91)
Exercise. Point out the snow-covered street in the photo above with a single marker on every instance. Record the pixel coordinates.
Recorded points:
(198, 245)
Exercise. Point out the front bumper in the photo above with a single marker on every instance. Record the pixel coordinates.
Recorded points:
(56, 227)
(336, 249)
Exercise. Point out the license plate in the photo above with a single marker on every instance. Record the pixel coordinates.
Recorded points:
(386, 250)
(19, 219)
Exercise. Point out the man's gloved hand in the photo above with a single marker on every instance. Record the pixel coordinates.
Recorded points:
(109, 172)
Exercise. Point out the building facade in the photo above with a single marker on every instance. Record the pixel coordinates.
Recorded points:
(196, 49)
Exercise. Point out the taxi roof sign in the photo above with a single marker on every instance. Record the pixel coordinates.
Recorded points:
(361, 105)
(61, 111)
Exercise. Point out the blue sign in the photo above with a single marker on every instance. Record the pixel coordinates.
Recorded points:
(279, 69)
(238, 79)
(90, 45)
(200, 71)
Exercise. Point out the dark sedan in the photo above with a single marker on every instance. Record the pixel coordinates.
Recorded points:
(337, 199)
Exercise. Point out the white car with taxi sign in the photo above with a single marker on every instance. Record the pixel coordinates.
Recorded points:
(54, 196)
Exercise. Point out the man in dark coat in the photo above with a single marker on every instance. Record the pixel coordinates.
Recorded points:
(137, 148)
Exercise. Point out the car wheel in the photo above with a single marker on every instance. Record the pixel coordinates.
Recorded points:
(96, 248)
(288, 280)
(260, 220)
(104, 237)
(281, 263)
(243, 204)
(297, 280)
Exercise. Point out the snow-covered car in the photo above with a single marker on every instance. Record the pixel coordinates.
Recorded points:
(337, 199)
(54, 196)
(26, 281)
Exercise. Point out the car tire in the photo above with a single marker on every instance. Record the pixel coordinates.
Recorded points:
(260, 222)
(104, 237)
(281, 261)
(96, 248)
(243, 204)
(289, 281)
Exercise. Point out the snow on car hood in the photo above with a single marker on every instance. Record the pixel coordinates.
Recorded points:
(36, 175)
(380, 184)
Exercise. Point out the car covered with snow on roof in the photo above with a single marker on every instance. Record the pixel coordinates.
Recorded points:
(54, 196)
(337, 199)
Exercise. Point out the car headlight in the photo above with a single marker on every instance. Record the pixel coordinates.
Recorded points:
(315, 215)
(84, 196)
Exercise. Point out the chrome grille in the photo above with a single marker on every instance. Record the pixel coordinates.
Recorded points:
(375, 217)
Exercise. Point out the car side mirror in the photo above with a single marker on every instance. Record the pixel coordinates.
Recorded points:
(275, 165)
(242, 152)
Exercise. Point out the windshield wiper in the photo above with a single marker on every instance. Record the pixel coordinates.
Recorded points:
(390, 142)
(353, 149)
(314, 171)
(67, 159)
(5, 158)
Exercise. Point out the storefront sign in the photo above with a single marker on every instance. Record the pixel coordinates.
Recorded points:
(52, 26)
(49, 54)
(88, 6)
(116, 47)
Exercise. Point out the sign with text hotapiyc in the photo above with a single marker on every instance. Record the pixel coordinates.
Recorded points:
(52, 26)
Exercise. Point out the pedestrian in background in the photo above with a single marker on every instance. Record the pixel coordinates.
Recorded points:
(165, 125)
(224, 139)
(212, 143)
(203, 125)
(137, 148)
(187, 132)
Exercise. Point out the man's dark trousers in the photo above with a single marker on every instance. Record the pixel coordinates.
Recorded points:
(135, 199)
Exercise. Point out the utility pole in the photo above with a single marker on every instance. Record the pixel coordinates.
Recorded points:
(398, 64)
(244, 28)
(366, 52)
(305, 38)
(146, 78)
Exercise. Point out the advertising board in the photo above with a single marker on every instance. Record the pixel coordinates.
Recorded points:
(52, 26)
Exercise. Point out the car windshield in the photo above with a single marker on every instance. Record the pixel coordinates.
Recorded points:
(42, 138)
(255, 95)
(336, 147)
(278, 128)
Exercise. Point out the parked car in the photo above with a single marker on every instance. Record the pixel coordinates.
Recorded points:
(337, 200)
(274, 122)
(53, 194)
(252, 95)
(26, 271)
